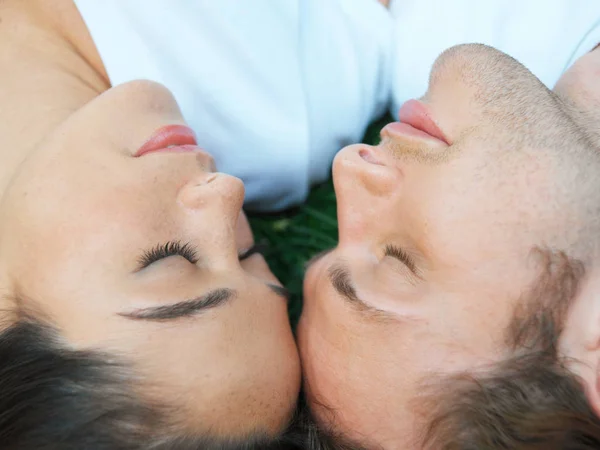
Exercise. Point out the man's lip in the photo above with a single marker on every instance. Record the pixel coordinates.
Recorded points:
(418, 116)
(171, 138)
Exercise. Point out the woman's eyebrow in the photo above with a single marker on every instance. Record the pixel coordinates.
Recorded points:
(185, 308)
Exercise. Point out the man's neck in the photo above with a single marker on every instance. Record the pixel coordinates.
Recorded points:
(45, 74)
(579, 88)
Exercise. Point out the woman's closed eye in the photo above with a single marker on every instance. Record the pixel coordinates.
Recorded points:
(171, 248)
(187, 251)
(259, 248)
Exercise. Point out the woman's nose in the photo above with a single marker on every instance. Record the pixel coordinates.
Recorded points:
(206, 161)
(213, 191)
(211, 204)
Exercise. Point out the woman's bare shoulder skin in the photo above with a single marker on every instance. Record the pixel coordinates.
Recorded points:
(48, 68)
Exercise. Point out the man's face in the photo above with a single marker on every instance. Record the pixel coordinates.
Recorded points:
(435, 243)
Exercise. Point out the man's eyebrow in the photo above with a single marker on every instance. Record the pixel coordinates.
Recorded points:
(185, 308)
(339, 276)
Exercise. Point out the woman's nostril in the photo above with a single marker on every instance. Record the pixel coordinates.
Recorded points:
(369, 156)
(206, 162)
(209, 178)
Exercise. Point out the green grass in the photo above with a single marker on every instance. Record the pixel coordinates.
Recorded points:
(296, 235)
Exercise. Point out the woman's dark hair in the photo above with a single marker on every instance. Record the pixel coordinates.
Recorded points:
(53, 397)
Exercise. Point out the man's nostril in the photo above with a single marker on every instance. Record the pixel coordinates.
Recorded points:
(369, 156)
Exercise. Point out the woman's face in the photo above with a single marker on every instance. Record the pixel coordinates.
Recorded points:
(143, 256)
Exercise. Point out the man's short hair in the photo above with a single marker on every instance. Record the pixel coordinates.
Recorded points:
(53, 397)
(529, 401)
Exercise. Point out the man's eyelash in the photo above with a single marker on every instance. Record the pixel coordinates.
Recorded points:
(402, 256)
(171, 248)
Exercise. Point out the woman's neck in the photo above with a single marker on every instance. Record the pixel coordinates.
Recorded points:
(49, 68)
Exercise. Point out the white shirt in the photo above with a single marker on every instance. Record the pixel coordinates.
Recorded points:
(274, 88)
(547, 36)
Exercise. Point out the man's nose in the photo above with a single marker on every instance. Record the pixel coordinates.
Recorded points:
(367, 182)
(365, 168)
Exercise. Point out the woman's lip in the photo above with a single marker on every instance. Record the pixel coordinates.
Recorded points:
(171, 138)
(419, 117)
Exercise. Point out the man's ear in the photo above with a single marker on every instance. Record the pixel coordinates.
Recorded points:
(579, 343)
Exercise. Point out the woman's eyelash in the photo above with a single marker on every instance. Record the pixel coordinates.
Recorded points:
(402, 256)
(171, 248)
(178, 248)
(260, 248)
